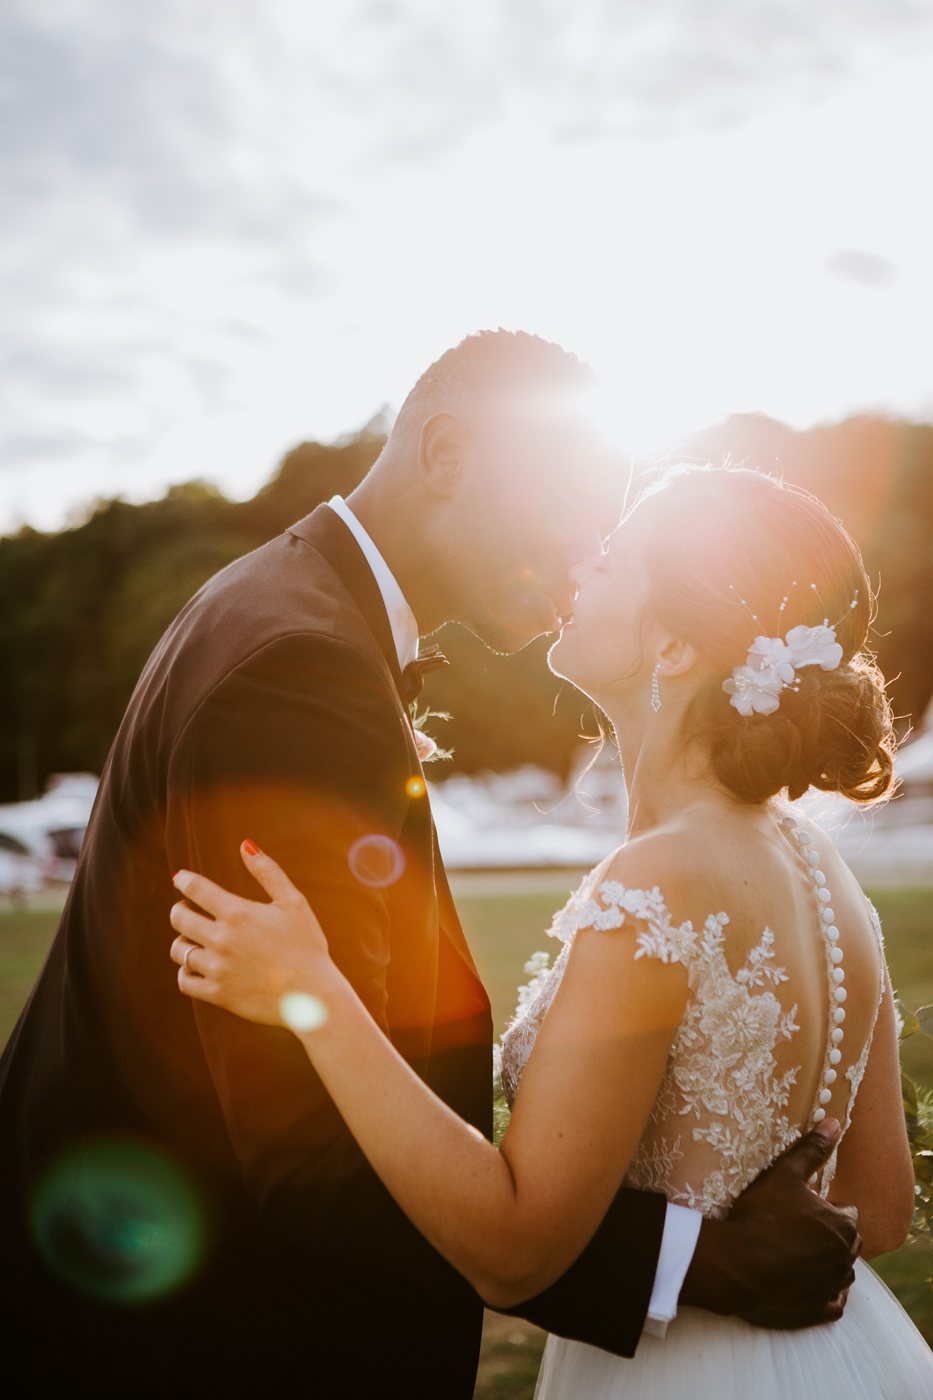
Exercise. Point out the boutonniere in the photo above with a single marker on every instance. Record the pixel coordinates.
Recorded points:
(428, 748)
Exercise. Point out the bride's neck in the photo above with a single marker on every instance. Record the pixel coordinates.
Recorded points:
(664, 774)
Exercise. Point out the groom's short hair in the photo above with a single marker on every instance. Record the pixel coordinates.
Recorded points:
(485, 364)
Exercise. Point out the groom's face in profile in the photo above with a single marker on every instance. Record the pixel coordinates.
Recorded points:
(533, 503)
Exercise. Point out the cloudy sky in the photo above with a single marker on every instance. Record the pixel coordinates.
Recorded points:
(228, 226)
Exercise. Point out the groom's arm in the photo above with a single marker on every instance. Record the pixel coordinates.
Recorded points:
(604, 1297)
(301, 748)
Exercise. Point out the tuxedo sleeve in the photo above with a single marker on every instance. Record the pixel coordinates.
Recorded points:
(603, 1297)
(302, 748)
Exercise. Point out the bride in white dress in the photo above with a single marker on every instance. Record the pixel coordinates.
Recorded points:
(721, 985)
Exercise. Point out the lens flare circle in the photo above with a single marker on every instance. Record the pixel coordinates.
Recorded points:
(118, 1221)
(416, 787)
(376, 861)
(302, 1012)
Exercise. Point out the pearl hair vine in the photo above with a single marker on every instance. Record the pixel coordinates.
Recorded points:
(771, 664)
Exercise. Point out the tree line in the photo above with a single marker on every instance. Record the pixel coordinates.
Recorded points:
(82, 608)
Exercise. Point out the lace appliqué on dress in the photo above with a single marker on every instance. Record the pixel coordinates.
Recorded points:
(721, 1075)
(720, 1087)
(534, 1000)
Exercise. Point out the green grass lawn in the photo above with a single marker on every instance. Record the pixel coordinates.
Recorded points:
(25, 935)
(505, 920)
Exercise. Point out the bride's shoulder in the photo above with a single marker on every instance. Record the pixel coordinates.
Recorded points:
(821, 841)
(655, 887)
(857, 912)
(671, 863)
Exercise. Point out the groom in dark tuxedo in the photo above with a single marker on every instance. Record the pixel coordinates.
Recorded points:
(183, 1210)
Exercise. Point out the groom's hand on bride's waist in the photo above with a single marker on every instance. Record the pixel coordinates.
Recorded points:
(783, 1256)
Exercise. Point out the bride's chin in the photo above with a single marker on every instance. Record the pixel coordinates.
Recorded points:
(560, 660)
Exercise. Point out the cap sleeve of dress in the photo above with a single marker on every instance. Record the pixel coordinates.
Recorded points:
(613, 905)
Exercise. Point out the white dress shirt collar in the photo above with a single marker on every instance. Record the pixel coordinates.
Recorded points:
(401, 618)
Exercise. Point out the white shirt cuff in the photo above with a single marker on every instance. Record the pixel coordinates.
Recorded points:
(678, 1244)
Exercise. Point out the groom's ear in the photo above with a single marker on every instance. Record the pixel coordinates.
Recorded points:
(677, 657)
(440, 454)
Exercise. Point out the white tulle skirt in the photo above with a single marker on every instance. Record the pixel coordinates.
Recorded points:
(874, 1353)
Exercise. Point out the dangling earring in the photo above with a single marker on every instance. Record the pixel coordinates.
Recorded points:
(655, 689)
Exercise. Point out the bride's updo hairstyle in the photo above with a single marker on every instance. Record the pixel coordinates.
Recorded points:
(714, 537)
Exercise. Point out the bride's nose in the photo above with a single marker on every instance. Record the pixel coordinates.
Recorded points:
(582, 571)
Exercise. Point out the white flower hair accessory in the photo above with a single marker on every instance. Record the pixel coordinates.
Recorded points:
(814, 646)
(771, 665)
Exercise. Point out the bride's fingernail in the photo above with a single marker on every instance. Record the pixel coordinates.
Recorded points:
(250, 847)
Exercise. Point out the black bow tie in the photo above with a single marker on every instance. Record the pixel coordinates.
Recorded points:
(414, 673)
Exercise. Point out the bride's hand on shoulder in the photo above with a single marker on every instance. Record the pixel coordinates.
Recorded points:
(246, 956)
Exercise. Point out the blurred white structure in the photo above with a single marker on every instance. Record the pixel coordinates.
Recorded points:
(46, 833)
(914, 762)
(20, 873)
(528, 819)
(894, 844)
(524, 820)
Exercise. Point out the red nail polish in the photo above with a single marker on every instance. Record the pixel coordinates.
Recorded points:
(250, 848)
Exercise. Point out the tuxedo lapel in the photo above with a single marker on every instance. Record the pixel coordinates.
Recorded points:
(460, 995)
(326, 532)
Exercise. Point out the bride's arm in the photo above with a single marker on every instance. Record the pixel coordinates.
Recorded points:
(511, 1221)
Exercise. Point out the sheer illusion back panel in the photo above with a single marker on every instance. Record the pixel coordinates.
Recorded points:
(762, 1051)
